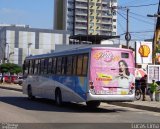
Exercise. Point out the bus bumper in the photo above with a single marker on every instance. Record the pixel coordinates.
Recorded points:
(111, 98)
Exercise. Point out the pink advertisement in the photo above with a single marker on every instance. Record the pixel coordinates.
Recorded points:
(112, 71)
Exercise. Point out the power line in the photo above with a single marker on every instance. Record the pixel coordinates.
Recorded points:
(138, 19)
(144, 5)
(138, 15)
(121, 15)
(142, 32)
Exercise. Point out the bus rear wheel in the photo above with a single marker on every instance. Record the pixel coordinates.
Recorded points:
(58, 97)
(93, 104)
(30, 95)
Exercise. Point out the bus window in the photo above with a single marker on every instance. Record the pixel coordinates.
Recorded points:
(30, 67)
(50, 65)
(45, 65)
(39, 67)
(54, 62)
(59, 65)
(124, 55)
(85, 64)
(33, 66)
(26, 67)
(42, 66)
(64, 63)
(69, 65)
(74, 64)
(36, 67)
(79, 64)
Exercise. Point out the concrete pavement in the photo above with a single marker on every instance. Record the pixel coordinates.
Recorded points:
(138, 104)
(11, 86)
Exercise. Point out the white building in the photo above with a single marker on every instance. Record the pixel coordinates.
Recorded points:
(17, 42)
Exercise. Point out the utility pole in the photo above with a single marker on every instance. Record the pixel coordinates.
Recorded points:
(127, 36)
(4, 53)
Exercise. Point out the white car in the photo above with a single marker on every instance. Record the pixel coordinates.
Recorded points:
(19, 80)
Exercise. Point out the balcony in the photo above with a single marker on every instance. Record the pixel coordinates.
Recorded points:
(81, 20)
(85, 1)
(106, 29)
(81, 26)
(106, 22)
(105, 2)
(78, 13)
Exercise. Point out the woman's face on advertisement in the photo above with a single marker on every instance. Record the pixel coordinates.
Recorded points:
(122, 66)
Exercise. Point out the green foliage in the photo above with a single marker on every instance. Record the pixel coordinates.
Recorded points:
(11, 68)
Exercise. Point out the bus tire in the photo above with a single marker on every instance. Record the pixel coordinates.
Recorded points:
(58, 97)
(93, 104)
(29, 90)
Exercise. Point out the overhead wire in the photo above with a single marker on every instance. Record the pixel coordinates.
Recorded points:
(144, 5)
(139, 19)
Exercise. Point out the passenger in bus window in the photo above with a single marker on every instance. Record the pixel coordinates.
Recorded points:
(124, 78)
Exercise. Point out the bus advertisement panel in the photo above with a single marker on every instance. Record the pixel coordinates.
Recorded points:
(112, 71)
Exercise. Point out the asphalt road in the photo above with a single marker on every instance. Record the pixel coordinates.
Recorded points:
(16, 108)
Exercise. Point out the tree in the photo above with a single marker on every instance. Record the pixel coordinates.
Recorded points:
(10, 68)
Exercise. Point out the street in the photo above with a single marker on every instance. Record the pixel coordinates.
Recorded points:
(16, 108)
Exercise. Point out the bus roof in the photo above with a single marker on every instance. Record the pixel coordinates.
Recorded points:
(75, 51)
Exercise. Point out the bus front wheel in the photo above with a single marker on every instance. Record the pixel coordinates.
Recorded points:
(93, 104)
(58, 97)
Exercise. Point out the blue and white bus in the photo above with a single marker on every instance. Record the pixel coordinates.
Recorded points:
(90, 75)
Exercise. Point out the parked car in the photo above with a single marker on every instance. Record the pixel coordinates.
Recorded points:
(19, 80)
(9, 79)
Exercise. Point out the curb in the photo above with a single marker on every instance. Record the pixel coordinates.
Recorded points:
(153, 109)
(10, 88)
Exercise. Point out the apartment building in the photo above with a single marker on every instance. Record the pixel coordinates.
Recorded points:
(93, 17)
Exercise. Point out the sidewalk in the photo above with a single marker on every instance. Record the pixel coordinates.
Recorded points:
(11, 86)
(138, 104)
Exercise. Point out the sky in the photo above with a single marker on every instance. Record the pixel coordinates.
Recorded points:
(39, 14)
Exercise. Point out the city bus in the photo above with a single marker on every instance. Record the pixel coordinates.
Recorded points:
(91, 75)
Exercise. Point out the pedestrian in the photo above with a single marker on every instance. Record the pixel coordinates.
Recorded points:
(143, 82)
(3, 79)
(153, 87)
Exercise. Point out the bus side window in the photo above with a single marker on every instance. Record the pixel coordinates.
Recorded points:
(36, 67)
(50, 66)
(54, 67)
(39, 67)
(85, 65)
(74, 64)
(46, 66)
(79, 64)
(59, 65)
(30, 67)
(25, 68)
(64, 63)
(33, 66)
(42, 66)
(69, 65)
